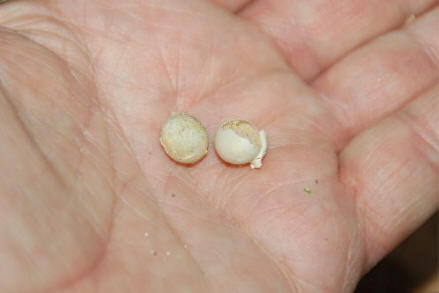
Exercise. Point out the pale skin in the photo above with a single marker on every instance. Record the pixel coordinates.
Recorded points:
(346, 93)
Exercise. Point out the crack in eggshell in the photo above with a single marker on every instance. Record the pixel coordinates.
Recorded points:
(244, 129)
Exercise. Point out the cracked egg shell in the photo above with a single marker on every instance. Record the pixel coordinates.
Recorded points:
(239, 142)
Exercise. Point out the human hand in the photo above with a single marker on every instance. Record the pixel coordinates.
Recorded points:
(349, 107)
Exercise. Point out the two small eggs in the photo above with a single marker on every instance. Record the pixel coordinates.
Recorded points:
(237, 142)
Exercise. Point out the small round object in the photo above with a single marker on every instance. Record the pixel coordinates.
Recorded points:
(184, 138)
(240, 142)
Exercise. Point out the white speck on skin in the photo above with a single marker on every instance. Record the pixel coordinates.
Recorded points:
(153, 252)
(410, 19)
(185, 246)
(168, 253)
(146, 234)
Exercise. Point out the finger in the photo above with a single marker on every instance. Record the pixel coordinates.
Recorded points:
(315, 34)
(383, 76)
(232, 5)
(393, 170)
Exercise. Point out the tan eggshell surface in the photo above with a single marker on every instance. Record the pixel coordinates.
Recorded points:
(184, 138)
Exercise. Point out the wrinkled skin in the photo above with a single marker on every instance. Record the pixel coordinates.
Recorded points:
(346, 92)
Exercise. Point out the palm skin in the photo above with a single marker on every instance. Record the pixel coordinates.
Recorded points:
(86, 85)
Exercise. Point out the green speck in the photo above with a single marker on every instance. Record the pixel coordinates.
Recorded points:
(307, 190)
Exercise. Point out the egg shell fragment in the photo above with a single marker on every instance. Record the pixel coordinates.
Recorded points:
(239, 142)
(184, 138)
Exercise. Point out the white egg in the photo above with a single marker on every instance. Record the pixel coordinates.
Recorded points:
(184, 138)
(240, 142)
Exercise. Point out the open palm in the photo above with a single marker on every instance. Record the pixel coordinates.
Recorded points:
(90, 203)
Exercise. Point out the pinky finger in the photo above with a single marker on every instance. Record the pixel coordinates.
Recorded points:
(231, 5)
(393, 170)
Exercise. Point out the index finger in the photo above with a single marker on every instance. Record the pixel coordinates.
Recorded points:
(314, 34)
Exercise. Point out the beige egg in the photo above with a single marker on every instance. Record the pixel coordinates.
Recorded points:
(184, 138)
(240, 142)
